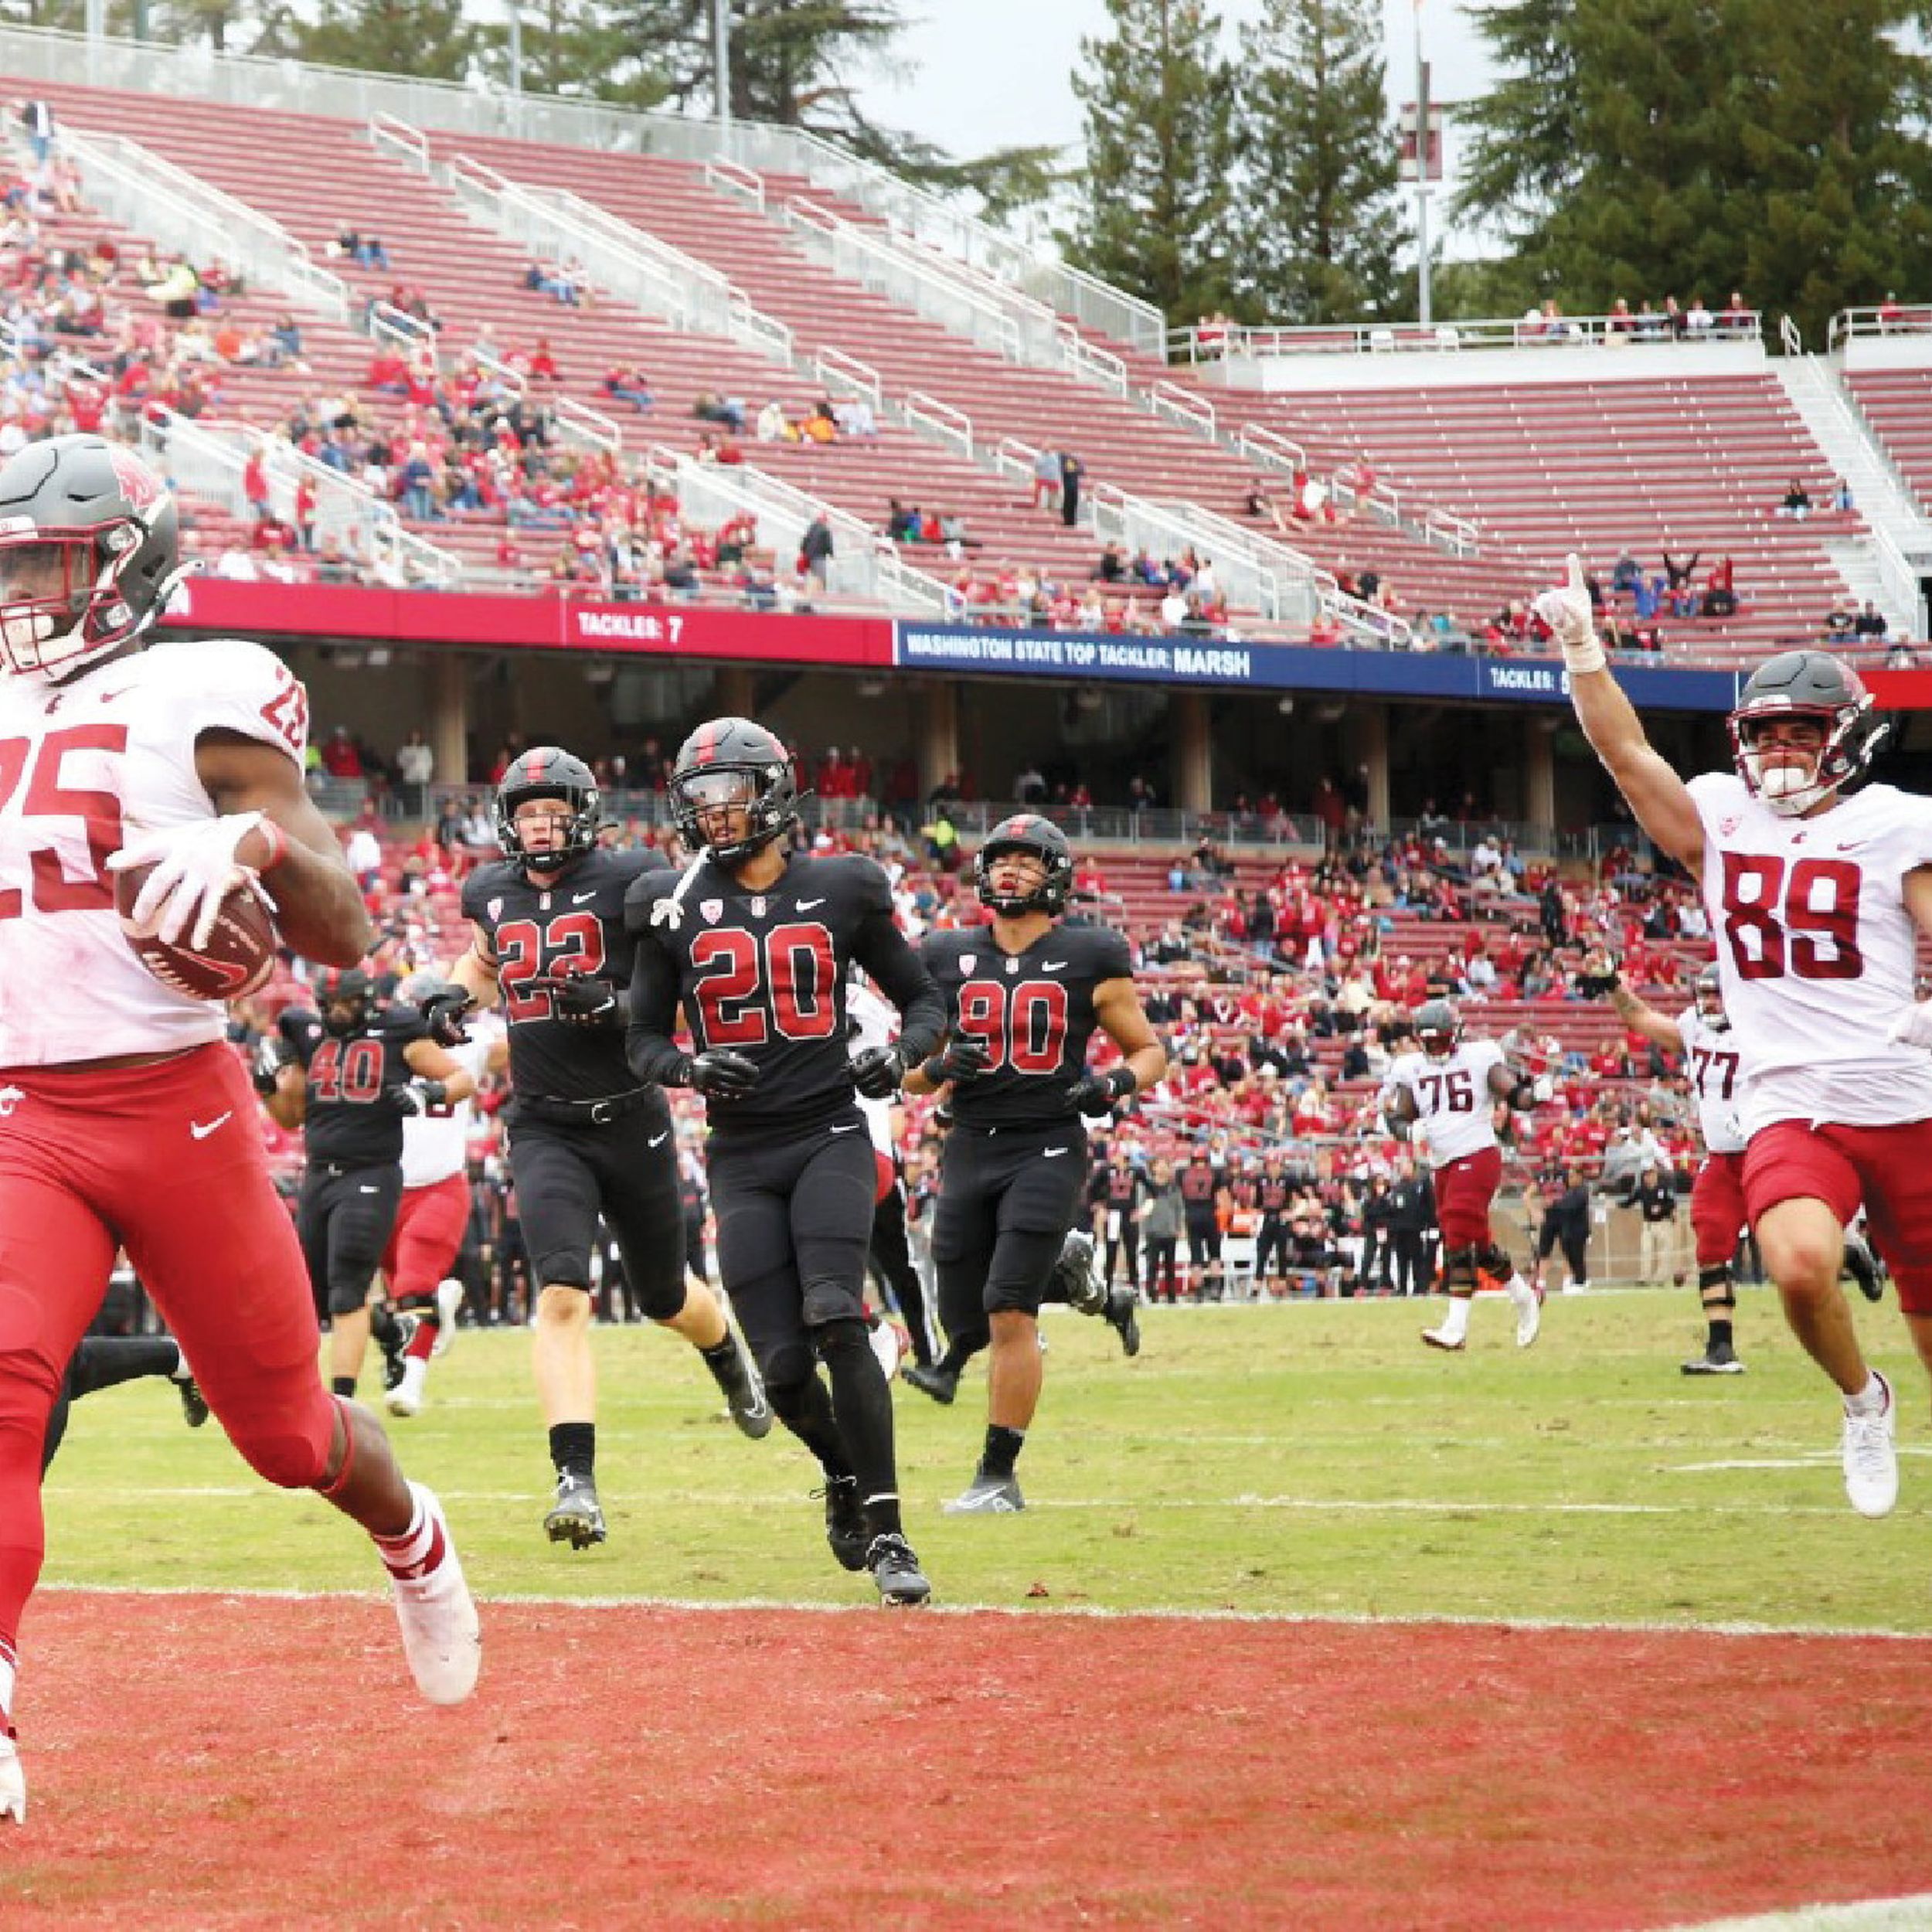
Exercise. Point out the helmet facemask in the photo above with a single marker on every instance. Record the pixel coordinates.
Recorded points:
(1849, 738)
(61, 601)
(696, 795)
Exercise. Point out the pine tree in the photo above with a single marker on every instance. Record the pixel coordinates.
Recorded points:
(428, 39)
(1647, 148)
(1153, 200)
(1316, 210)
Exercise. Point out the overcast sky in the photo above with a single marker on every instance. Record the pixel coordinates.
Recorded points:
(997, 74)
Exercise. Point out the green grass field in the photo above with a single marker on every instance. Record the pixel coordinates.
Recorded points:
(1304, 1459)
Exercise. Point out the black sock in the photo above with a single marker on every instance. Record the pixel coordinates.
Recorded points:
(1001, 1451)
(104, 1361)
(342, 1386)
(722, 1360)
(805, 1409)
(383, 1324)
(1720, 1334)
(862, 1401)
(959, 1351)
(574, 1447)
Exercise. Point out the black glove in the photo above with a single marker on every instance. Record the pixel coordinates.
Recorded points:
(416, 1097)
(719, 1074)
(1598, 975)
(964, 1057)
(1098, 1093)
(877, 1072)
(265, 1067)
(442, 1016)
(582, 1001)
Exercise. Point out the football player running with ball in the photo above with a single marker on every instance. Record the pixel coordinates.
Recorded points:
(1450, 1088)
(1817, 895)
(125, 1118)
(755, 942)
(1024, 997)
(586, 1139)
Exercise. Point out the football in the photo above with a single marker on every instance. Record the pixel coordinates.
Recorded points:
(240, 952)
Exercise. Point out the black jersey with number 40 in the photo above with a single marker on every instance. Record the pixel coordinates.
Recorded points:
(542, 933)
(345, 1118)
(763, 973)
(1034, 1010)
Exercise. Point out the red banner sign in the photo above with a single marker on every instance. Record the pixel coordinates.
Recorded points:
(355, 614)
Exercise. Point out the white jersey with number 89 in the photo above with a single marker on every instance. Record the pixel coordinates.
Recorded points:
(1815, 950)
(1453, 1104)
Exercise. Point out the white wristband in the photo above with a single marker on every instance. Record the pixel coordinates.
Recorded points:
(1584, 657)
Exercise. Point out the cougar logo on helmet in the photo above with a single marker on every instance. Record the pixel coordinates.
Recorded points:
(1811, 684)
(733, 764)
(548, 772)
(1026, 832)
(90, 550)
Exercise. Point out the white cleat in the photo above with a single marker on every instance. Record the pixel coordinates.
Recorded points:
(1441, 1338)
(449, 1302)
(13, 1783)
(1529, 1319)
(442, 1635)
(406, 1399)
(1871, 1461)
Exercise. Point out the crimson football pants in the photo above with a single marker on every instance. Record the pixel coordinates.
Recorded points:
(167, 1160)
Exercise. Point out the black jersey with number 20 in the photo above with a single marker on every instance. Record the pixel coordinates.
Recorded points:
(1034, 1010)
(763, 973)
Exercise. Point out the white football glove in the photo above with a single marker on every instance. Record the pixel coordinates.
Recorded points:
(1572, 621)
(1913, 1026)
(194, 869)
(1542, 1089)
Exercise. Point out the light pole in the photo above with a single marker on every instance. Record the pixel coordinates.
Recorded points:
(1422, 173)
(721, 61)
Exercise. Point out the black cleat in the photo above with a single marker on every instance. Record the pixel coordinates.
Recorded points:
(577, 1517)
(846, 1522)
(194, 1404)
(1077, 1275)
(393, 1337)
(1860, 1266)
(1719, 1359)
(1123, 1316)
(744, 1390)
(895, 1571)
(941, 1384)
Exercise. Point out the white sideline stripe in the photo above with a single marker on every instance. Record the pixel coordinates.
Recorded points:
(1339, 1505)
(1350, 1620)
(1911, 1913)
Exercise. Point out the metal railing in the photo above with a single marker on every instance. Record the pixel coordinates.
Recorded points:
(1889, 318)
(880, 261)
(152, 67)
(1091, 363)
(940, 420)
(135, 187)
(863, 564)
(1235, 341)
(209, 461)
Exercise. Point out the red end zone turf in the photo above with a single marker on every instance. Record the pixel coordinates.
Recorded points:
(218, 1761)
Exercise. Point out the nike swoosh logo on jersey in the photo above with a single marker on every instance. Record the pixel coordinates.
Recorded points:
(851, 1127)
(1051, 965)
(582, 899)
(1051, 1153)
(202, 1129)
(658, 1139)
(806, 905)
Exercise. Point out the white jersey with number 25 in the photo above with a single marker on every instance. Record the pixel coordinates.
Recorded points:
(84, 766)
(1815, 950)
